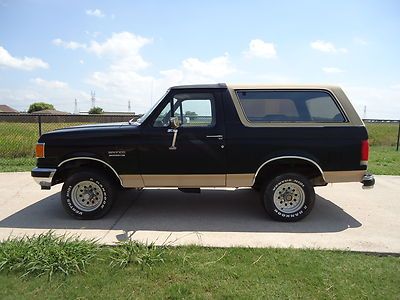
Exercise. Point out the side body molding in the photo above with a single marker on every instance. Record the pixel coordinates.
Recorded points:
(290, 157)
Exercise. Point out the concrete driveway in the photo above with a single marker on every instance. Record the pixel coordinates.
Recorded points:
(344, 217)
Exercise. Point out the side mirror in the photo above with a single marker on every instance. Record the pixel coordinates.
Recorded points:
(174, 122)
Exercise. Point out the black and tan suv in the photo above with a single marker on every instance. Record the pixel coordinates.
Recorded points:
(280, 140)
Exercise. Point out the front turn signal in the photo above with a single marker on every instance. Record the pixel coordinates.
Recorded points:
(40, 150)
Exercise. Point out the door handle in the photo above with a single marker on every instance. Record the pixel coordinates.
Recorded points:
(217, 136)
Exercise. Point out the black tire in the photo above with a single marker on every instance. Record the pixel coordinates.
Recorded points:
(88, 194)
(288, 197)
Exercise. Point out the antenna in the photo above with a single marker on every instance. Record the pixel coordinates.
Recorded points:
(76, 107)
(129, 105)
(93, 98)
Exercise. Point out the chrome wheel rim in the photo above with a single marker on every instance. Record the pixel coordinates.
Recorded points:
(289, 197)
(87, 196)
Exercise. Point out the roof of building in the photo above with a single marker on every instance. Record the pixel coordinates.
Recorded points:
(7, 109)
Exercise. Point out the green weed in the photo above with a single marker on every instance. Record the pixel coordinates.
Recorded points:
(46, 254)
(133, 252)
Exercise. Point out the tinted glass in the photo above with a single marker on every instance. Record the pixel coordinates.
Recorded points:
(289, 106)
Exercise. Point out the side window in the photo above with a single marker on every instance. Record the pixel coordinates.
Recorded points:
(192, 109)
(163, 118)
(323, 109)
(289, 106)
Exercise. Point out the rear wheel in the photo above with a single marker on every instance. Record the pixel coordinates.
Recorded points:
(88, 194)
(288, 197)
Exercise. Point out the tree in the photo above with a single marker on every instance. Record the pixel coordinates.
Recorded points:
(38, 106)
(190, 113)
(96, 110)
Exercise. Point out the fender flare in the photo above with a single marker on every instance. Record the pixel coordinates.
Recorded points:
(91, 158)
(290, 157)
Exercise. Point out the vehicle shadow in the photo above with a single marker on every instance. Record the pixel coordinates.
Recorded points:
(171, 210)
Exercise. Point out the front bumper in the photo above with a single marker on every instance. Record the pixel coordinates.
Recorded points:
(368, 181)
(43, 176)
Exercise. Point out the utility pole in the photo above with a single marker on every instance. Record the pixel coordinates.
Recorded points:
(93, 98)
(365, 111)
(76, 107)
(129, 105)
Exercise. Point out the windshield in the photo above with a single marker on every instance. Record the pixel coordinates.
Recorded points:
(144, 117)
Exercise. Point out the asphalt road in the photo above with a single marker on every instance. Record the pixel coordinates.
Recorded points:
(344, 217)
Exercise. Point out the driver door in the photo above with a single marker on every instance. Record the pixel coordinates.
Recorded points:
(197, 158)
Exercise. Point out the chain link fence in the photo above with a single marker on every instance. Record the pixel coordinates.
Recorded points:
(384, 133)
(20, 132)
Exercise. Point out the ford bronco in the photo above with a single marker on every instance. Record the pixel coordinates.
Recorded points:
(280, 140)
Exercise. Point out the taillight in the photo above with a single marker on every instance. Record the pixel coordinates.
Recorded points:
(39, 150)
(364, 152)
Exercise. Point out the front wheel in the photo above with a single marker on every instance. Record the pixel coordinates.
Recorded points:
(87, 194)
(288, 197)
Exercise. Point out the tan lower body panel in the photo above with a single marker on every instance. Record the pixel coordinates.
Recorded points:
(220, 180)
(239, 180)
(132, 181)
(344, 176)
(178, 180)
(187, 180)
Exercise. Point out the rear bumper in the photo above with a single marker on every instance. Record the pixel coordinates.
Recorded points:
(43, 176)
(368, 181)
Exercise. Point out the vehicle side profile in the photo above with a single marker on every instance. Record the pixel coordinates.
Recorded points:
(280, 140)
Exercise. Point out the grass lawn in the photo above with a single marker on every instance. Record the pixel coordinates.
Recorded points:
(384, 160)
(21, 164)
(143, 272)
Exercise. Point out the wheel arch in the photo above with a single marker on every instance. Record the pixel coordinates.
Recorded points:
(65, 167)
(288, 164)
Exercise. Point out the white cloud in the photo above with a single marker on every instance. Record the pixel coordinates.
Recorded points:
(68, 45)
(217, 67)
(260, 49)
(332, 70)
(327, 47)
(120, 44)
(95, 13)
(122, 84)
(81, 61)
(51, 84)
(124, 80)
(194, 70)
(26, 63)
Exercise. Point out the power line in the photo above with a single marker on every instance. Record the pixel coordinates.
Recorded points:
(93, 98)
(76, 111)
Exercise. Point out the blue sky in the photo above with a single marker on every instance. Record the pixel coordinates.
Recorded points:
(58, 51)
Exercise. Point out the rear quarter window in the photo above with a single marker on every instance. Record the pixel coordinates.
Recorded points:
(289, 106)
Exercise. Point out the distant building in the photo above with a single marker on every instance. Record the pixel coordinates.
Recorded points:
(5, 109)
(111, 113)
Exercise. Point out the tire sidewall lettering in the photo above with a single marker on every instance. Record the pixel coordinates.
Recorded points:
(74, 209)
(302, 211)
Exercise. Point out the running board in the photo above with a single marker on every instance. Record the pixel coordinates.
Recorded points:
(190, 190)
